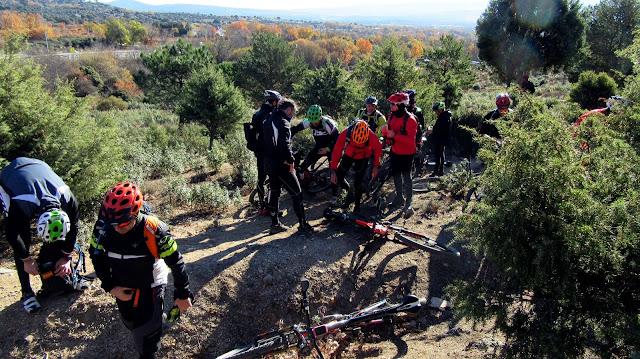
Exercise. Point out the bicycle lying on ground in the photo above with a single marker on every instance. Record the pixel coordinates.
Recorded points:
(304, 336)
(388, 231)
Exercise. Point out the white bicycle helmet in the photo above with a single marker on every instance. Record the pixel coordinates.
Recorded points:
(53, 225)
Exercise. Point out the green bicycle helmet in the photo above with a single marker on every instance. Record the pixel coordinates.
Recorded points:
(53, 225)
(438, 106)
(314, 114)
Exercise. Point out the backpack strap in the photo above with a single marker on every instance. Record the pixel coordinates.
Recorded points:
(150, 227)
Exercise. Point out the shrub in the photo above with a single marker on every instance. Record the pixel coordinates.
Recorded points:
(209, 196)
(112, 103)
(590, 87)
(217, 156)
(176, 190)
(241, 160)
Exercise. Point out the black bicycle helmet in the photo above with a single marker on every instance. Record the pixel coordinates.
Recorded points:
(371, 100)
(270, 95)
(438, 106)
(412, 95)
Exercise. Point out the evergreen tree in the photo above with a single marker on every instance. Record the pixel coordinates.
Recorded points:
(610, 28)
(331, 88)
(387, 71)
(558, 229)
(270, 63)
(517, 37)
(169, 68)
(450, 68)
(210, 99)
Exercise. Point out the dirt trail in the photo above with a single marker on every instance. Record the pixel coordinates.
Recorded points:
(246, 280)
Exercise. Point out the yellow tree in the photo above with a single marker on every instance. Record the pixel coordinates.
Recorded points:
(416, 51)
(305, 32)
(364, 46)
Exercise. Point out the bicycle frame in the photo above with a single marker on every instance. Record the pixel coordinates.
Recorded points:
(279, 340)
(395, 233)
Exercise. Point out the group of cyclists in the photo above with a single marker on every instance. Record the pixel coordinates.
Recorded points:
(358, 146)
(128, 239)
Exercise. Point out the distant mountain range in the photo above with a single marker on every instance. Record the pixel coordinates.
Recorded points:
(414, 17)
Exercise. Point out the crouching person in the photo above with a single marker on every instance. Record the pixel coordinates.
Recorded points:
(130, 251)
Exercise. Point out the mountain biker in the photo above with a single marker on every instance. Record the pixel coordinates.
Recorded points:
(503, 101)
(440, 134)
(325, 133)
(30, 189)
(131, 260)
(417, 112)
(279, 162)
(374, 118)
(400, 131)
(271, 99)
(527, 86)
(359, 143)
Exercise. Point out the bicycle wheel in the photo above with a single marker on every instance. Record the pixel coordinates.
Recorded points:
(426, 244)
(254, 199)
(384, 172)
(256, 349)
(473, 194)
(320, 181)
(423, 185)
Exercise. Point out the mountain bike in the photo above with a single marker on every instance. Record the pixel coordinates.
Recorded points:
(388, 231)
(304, 336)
(315, 180)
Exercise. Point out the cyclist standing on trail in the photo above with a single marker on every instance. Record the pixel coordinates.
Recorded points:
(30, 189)
(271, 99)
(325, 133)
(130, 251)
(503, 101)
(359, 143)
(279, 165)
(417, 112)
(400, 131)
(440, 133)
(370, 114)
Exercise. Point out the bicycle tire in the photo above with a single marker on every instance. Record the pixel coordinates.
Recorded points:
(473, 194)
(253, 198)
(255, 349)
(320, 181)
(377, 183)
(427, 244)
(422, 185)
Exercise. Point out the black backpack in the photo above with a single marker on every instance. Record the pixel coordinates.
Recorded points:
(251, 135)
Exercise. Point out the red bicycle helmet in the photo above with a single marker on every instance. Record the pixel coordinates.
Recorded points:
(399, 98)
(121, 203)
(503, 100)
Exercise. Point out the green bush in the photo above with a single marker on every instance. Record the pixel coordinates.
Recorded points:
(112, 103)
(176, 191)
(590, 88)
(241, 160)
(209, 196)
(217, 156)
(558, 228)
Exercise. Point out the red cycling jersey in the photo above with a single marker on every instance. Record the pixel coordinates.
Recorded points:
(404, 141)
(356, 152)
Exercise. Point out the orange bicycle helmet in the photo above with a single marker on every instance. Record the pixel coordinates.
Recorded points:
(360, 132)
(399, 98)
(122, 203)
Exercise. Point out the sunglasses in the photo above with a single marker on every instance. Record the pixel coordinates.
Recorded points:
(124, 224)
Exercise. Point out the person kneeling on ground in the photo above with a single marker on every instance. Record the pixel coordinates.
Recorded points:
(29, 188)
(359, 143)
(130, 251)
